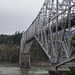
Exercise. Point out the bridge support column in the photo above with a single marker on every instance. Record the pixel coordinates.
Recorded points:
(25, 61)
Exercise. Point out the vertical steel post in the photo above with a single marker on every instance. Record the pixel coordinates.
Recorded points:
(69, 26)
(56, 26)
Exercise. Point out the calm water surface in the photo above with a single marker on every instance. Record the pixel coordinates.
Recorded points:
(10, 69)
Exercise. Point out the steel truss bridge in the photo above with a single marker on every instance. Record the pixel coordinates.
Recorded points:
(52, 29)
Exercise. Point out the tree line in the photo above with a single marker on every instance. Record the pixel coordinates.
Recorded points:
(11, 39)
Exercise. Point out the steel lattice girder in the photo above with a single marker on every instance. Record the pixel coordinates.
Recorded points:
(53, 18)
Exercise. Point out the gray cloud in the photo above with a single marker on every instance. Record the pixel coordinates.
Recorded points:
(17, 15)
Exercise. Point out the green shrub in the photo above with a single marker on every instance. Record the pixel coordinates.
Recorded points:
(73, 38)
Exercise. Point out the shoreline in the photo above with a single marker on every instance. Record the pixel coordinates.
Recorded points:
(41, 63)
(32, 63)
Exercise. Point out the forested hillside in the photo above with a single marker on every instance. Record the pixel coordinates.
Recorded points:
(9, 49)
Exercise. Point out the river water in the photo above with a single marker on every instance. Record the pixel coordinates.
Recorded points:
(13, 69)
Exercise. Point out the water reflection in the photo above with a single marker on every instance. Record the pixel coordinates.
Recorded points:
(35, 71)
(39, 72)
(11, 70)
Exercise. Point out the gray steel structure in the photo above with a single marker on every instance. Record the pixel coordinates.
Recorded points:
(52, 29)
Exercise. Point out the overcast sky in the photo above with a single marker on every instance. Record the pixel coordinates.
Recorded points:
(17, 15)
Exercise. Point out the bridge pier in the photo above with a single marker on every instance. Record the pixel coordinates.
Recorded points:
(25, 61)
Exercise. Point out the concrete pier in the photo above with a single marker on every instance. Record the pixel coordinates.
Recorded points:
(25, 61)
(58, 72)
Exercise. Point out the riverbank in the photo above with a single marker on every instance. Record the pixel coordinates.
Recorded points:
(41, 63)
(32, 64)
